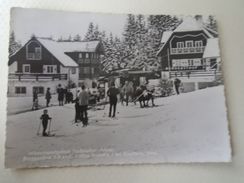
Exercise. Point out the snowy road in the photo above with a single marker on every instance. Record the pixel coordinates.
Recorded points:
(191, 127)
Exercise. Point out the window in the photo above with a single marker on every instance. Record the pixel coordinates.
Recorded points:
(20, 90)
(39, 89)
(180, 45)
(197, 62)
(33, 51)
(50, 69)
(189, 44)
(73, 70)
(80, 55)
(190, 62)
(26, 68)
(38, 52)
(87, 55)
(198, 44)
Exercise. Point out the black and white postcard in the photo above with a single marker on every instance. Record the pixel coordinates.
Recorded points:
(111, 89)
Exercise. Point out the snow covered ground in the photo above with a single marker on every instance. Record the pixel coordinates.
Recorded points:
(191, 127)
(23, 104)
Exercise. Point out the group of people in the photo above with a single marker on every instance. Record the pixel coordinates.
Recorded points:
(143, 94)
(128, 92)
(64, 95)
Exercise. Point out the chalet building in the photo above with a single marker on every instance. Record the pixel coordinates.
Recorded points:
(190, 53)
(87, 56)
(43, 63)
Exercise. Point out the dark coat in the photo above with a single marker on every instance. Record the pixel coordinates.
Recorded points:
(48, 95)
(60, 92)
(112, 93)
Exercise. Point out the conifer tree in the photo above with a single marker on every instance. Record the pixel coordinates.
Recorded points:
(13, 44)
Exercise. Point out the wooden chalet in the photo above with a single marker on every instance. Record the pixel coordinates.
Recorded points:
(190, 53)
(43, 63)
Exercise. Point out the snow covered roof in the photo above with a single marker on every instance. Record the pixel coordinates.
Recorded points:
(90, 46)
(54, 48)
(191, 24)
(212, 48)
(166, 36)
(188, 24)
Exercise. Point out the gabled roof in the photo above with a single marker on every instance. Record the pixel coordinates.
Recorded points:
(212, 48)
(90, 46)
(188, 24)
(166, 36)
(57, 51)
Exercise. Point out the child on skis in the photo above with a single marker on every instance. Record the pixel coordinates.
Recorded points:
(45, 117)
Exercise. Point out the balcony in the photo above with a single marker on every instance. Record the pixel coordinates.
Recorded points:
(36, 76)
(196, 76)
(187, 50)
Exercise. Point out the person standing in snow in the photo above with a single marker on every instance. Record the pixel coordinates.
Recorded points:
(128, 91)
(150, 95)
(35, 100)
(77, 110)
(112, 94)
(83, 101)
(177, 85)
(60, 92)
(48, 97)
(45, 117)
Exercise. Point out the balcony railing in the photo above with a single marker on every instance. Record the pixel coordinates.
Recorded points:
(36, 76)
(194, 74)
(187, 50)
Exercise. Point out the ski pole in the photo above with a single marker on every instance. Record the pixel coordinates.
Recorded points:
(139, 96)
(38, 130)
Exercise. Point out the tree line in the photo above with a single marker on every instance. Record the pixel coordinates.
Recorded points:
(136, 48)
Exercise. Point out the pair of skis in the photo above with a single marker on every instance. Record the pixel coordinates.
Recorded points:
(49, 129)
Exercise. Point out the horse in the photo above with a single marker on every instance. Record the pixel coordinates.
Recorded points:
(144, 96)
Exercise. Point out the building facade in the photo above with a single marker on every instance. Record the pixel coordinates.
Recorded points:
(190, 53)
(43, 63)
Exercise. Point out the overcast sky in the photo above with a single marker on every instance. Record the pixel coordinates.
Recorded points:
(44, 23)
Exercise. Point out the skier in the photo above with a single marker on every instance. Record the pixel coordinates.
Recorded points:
(45, 117)
(77, 109)
(60, 92)
(112, 93)
(177, 85)
(35, 100)
(48, 97)
(83, 102)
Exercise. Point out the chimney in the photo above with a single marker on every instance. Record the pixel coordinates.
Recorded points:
(199, 19)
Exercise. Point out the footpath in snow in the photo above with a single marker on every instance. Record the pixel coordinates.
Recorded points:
(191, 127)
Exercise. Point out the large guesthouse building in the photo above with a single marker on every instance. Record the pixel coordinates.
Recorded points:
(190, 53)
(43, 63)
